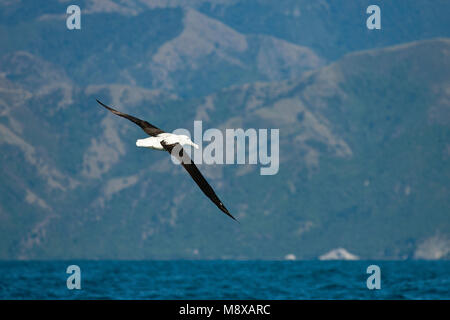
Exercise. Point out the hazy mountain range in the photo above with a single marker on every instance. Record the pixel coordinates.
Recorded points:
(364, 119)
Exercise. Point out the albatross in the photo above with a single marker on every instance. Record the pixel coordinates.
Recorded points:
(161, 140)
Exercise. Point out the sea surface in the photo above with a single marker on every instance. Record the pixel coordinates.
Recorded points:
(225, 280)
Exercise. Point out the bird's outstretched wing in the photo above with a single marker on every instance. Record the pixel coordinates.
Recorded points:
(192, 169)
(147, 127)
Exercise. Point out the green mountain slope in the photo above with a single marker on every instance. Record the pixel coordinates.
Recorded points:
(364, 164)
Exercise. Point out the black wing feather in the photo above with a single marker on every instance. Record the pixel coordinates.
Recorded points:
(147, 127)
(193, 171)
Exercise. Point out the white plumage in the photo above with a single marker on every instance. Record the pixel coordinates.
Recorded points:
(168, 138)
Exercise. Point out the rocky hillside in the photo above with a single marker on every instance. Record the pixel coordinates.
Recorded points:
(364, 139)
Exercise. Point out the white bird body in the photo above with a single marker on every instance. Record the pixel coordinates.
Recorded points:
(168, 138)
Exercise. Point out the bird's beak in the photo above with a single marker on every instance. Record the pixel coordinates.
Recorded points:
(195, 145)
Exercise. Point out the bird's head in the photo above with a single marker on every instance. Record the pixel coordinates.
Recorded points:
(185, 140)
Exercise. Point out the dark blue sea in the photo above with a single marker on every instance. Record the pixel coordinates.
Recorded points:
(225, 280)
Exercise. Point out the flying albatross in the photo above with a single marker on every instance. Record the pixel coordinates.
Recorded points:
(160, 140)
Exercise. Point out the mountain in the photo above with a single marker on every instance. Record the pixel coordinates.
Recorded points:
(199, 47)
(173, 49)
(363, 126)
(363, 164)
(334, 28)
(180, 63)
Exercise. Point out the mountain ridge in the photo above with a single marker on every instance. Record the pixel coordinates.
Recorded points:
(327, 151)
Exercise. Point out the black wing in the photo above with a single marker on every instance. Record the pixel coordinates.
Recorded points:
(147, 127)
(192, 169)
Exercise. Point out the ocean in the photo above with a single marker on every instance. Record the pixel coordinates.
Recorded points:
(225, 280)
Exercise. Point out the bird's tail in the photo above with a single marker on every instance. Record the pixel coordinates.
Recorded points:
(140, 143)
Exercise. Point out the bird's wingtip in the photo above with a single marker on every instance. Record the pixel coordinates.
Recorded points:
(105, 106)
(225, 210)
(231, 216)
